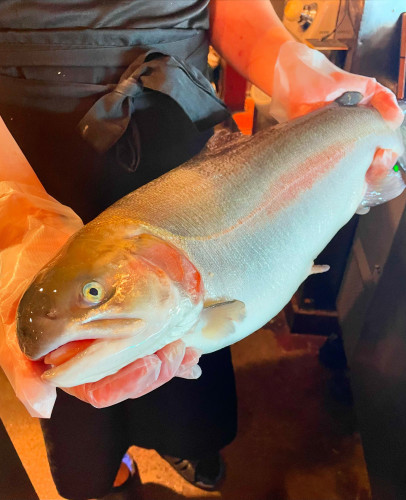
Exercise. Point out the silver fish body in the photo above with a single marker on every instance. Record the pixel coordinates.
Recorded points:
(249, 214)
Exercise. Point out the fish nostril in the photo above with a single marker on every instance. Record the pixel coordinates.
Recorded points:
(44, 304)
(52, 314)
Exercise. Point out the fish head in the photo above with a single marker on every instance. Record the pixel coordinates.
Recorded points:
(106, 286)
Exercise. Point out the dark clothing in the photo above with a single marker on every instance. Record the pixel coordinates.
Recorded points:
(97, 14)
(184, 418)
(49, 80)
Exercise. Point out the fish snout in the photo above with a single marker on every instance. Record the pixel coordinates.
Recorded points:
(38, 327)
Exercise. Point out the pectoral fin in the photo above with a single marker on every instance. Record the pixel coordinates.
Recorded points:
(361, 210)
(318, 269)
(218, 320)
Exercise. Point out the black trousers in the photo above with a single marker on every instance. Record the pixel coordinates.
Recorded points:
(184, 418)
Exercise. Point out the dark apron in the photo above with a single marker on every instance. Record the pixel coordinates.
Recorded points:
(91, 140)
(70, 77)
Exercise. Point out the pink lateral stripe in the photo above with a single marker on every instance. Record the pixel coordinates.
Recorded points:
(307, 174)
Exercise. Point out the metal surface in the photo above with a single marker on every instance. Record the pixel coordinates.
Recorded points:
(378, 371)
(371, 248)
(402, 59)
(372, 300)
(372, 311)
(307, 15)
(324, 45)
(349, 21)
(376, 52)
(312, 20)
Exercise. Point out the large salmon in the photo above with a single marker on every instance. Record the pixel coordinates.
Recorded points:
(210, 251)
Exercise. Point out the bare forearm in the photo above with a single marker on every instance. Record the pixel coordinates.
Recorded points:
(248, 34)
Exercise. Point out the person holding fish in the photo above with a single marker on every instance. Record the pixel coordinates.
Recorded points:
(102, 100)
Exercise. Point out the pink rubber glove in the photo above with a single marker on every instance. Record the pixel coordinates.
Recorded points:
(142, 376)
(305, 80)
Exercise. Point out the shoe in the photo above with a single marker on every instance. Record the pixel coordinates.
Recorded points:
(206, 473)
(130, 489)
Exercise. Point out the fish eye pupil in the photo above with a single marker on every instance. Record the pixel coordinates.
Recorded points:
(93, 292)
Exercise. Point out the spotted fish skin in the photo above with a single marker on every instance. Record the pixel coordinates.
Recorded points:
(249, 215)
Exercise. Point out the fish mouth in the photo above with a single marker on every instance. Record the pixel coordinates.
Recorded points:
(126, 326)
(66, 352)
(97, 358)
(44, 336)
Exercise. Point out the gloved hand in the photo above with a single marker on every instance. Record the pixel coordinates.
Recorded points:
(33, 226)
(142, 376)
(305, 80)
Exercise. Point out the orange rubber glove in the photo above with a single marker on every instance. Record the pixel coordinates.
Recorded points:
(33, 226)
(305, 80)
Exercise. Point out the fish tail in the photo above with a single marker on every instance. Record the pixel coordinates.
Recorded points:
(384, 180)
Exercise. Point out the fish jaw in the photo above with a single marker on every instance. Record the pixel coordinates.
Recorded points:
(100, 328)
(107, 356)
(100, 359)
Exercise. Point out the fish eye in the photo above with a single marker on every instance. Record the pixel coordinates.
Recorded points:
(93, 292)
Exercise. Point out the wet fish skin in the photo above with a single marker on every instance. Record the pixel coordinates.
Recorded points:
(249, 218)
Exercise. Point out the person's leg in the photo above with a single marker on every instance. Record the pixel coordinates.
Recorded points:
(190, 420)
(85, 446)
